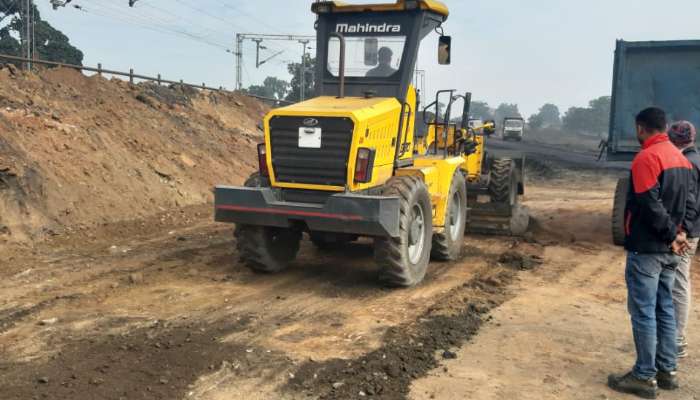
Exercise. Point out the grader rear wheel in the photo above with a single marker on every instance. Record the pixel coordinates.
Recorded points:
(266, 249)
(404, 260)
(447, 245)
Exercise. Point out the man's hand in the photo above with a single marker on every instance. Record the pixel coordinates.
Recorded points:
(680, 245)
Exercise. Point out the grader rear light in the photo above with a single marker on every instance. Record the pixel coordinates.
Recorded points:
(262, 160)
(363, 165)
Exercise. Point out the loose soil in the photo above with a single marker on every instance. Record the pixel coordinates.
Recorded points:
(77, 152)
(160, 308)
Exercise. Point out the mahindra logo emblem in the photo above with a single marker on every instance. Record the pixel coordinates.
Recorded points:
(367, 28)
(310, 122)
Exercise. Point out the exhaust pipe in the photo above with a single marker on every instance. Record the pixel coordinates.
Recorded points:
(341, 67)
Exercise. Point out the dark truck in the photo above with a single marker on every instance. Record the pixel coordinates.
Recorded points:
(660, 73)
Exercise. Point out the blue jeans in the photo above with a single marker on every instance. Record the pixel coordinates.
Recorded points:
(650, 279)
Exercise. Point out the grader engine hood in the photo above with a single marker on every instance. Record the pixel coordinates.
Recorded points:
(313, 144)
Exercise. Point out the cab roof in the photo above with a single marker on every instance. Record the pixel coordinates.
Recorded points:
(435, 6)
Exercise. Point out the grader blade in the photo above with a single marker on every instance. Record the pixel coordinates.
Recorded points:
(494, 206)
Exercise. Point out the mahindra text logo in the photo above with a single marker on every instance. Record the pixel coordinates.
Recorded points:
(310, 122)
(367, 28)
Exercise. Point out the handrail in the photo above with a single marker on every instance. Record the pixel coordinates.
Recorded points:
(133, 76)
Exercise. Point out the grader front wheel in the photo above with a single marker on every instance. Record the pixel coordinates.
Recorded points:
(403, 261)
(504, 185)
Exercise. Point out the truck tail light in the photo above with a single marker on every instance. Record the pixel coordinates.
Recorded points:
(262, 160)
(363, 165)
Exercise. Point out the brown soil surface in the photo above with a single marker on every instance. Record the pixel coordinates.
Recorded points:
(567, 328)
(77, 151)
(132, 292)
(160, 308)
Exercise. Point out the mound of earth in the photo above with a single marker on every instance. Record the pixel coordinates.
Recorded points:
(77, 151)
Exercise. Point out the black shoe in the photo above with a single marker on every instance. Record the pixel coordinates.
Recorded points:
(667, 380)
(630, 384)
(682, 348)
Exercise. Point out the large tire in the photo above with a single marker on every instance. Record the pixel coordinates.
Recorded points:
(447, 245)
(404, 260)
(503, 183)
(618, 212)
(257, 180)
(266, 249)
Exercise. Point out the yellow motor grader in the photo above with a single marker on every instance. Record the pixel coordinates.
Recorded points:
(357, 160)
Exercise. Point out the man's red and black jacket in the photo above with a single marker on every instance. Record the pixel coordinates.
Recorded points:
(658, 196)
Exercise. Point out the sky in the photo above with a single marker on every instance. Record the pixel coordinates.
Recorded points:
(523, 52)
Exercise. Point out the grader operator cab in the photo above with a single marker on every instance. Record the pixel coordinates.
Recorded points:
(348, 163)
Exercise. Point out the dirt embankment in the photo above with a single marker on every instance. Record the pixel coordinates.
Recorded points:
(77, 151)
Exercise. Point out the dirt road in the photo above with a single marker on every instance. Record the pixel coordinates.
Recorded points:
(571, 156)
(166, 312)
(566, 329)
(172, 315)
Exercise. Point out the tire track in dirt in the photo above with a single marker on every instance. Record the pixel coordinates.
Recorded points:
(410, 350)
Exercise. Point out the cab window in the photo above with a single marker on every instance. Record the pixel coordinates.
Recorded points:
(367, 56)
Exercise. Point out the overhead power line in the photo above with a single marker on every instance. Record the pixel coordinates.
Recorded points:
(191, 26)
(160, 29)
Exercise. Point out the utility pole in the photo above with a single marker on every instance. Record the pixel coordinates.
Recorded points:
(28, 6)
(302, 88)
(259, 47)
(257, 51)
(33, 33)
(259, 37)
(239, 61)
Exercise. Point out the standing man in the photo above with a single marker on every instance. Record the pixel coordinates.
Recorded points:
(656, 205)
(682, 134)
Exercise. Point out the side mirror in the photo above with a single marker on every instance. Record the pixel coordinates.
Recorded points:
(371, 52)
(444, 49)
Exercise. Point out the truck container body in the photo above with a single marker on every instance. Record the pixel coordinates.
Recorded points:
(665, 74)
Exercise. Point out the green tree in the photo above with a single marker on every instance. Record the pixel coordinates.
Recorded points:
(593, 119)
(309, 79)
(578, 120)
(535, 121)
(506, 110)
(50, 43)
(600, 109)
(547, 116)
(272, 87)
(481, 110)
